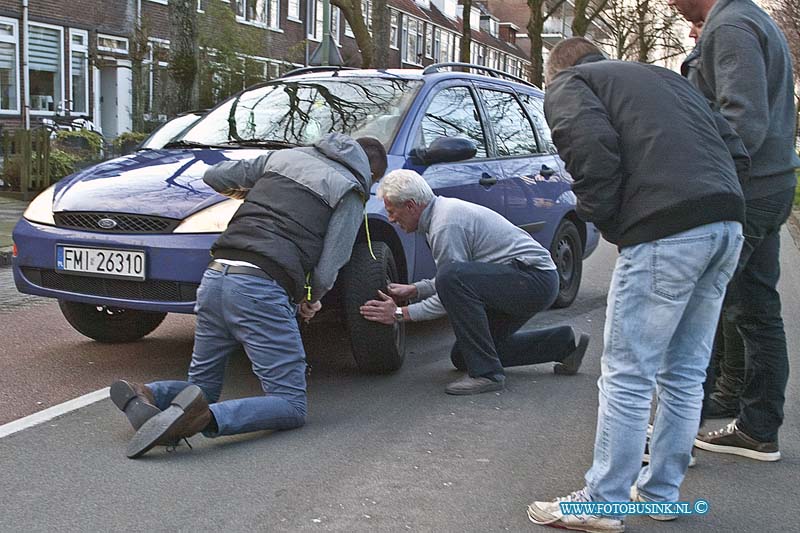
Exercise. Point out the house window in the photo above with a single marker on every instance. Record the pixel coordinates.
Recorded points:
(9, 77)
(412, 40)
(201, 4)
(259, 12)
(428, 41)
(158, 78)
(44, 67)
(393, 26)
(293, 7)
(335, 23)
(79, 71)
(317, 35)
(109, 43)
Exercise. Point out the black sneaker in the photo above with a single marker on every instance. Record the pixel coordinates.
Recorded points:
(734, 441)
(571, 363)
(646, 455)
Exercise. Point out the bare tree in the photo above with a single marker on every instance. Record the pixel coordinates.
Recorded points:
(380, 34)
(466, 32)
(183, 65)
(787, 14)
(584, 14)
(541, 10)
(647, 31)
(354, 15)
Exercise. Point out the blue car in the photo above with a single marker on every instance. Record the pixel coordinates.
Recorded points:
(125, 242)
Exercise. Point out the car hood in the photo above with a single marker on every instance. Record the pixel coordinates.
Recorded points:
(166, 183)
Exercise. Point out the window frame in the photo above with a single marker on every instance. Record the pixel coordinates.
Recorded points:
(480, 88)
(84, 48)
(60, 102)
(17, 67)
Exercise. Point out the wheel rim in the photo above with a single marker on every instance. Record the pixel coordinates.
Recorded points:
(565, 261)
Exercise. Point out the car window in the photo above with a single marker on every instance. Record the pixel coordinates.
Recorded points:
(535, 108)
(302, 111)
(513, 132)
(169, 130)
(452, 113)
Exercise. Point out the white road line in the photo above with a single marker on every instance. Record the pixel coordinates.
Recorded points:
(53, 412)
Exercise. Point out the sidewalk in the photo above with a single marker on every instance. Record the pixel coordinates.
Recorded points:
(10, 212)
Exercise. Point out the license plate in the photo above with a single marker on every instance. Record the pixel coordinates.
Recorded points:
(101, 262)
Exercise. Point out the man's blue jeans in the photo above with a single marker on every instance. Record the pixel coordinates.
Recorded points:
(255, 313)
(662, 312)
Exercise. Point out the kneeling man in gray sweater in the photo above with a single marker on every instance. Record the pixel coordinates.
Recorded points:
(491, 278)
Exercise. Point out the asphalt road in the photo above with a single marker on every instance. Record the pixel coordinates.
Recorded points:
(390, 453)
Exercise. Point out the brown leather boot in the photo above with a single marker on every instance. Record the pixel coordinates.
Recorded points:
(187, 415)
(135, 400)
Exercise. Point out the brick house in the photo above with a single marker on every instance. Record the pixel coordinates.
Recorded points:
(78, 57)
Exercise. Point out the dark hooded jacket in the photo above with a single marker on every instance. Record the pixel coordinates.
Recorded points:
(282, 224)
(648, 156)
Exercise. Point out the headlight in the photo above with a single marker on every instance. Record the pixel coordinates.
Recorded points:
(212, 219)
(40, 210)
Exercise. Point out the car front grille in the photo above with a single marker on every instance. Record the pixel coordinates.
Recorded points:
(153, 290)
(122, 223)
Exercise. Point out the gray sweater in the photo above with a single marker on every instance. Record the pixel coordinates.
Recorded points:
(458, 232)
(744, 68)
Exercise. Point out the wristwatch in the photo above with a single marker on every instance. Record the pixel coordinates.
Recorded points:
(398, 314)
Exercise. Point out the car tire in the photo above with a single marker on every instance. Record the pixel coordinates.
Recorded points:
(377, 348)
(567, 252)
(110, 324)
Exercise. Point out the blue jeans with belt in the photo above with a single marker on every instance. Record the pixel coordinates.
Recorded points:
(236, 310)
(663, 307)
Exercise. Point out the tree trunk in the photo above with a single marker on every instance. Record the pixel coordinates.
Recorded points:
(535, 29)
(351, 9)
(466, 34)
(380, 34)
(183, 65)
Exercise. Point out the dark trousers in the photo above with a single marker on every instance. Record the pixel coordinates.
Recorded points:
(753, 307)
(487, 304)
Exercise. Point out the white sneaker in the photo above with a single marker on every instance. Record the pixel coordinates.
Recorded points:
(636, 497)
(549, 514)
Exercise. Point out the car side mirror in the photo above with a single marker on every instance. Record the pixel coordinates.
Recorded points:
(445, 150)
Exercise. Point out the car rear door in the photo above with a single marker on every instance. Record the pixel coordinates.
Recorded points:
(451, 109)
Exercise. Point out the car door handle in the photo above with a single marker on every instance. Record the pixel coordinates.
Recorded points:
(487, 179)
(546, 171)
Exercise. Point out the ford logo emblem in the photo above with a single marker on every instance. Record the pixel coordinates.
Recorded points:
(107, 223)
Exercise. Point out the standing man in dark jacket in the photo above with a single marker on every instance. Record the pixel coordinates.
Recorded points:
(744, 68)
(285, 245)
(654, 171)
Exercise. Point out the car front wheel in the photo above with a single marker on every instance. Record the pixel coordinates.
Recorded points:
(110, 324)
(567, 252)
(377, 348)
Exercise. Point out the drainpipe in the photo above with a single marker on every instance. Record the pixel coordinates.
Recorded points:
(26, 110)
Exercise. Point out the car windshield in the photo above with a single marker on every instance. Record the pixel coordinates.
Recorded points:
(169, 130)
(300, 112)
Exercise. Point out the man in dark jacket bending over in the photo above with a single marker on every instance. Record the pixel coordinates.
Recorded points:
(286, 243)
(654, 171)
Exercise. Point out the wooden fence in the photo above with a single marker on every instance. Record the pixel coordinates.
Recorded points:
(26, 160)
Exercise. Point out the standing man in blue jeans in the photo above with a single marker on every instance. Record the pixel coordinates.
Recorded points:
(301, 214)
(745, 70)
(491, 278)
(654, 170)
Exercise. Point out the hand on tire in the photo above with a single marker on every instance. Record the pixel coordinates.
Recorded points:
(401, 293)
(309, 309)
(380, 310)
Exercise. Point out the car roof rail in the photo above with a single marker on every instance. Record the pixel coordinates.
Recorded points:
(309, 70)
(437, 67)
